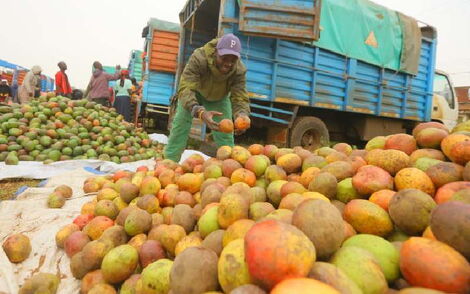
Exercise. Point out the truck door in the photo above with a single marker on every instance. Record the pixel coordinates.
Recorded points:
(445, 107)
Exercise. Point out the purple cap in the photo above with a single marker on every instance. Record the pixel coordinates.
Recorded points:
(229, 44)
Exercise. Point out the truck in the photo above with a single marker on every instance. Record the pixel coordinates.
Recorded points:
(159, 65)
(15, 75)
(47, 84)
(326, 70)
(445, 105)
(463, 97)
(135, 65)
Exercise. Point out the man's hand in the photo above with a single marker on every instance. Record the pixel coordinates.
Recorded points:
(242, 123)
(207, 117)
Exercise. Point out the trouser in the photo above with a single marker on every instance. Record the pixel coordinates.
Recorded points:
(182, 122)
(123, 107)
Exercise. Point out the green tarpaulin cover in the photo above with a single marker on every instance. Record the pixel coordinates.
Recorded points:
(363, 30)
(366, 31)
(163, 25)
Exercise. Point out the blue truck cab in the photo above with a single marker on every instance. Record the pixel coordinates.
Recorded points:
(321, 70)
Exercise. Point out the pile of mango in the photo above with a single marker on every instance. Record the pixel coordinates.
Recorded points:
(392, 218)
(56, 128)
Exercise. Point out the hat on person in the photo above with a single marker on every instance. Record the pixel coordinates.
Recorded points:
(125, 72)
(229, 44)
(36, 69)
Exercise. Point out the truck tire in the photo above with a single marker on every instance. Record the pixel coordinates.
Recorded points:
(309, 132)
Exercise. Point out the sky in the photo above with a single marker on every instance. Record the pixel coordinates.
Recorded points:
(45, 32)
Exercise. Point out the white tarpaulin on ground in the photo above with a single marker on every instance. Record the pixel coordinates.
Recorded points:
(163, 139)
(188, 153)
(30, 215)
(38, 170)
(160, 138)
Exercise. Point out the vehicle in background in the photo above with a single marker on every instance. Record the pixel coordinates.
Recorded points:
(6, 74)
(12, 73)
(135, 65)
(47, 84)
(305, 90)
(15, 74)
(159, 68)
(445, 106)
(463, 98)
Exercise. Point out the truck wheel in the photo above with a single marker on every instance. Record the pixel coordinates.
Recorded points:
(309, 132)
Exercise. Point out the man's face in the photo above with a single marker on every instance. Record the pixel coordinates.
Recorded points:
(225, 63)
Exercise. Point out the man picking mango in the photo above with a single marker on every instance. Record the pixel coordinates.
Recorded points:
(212, 87)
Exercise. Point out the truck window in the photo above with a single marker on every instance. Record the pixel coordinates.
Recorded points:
(442, 87)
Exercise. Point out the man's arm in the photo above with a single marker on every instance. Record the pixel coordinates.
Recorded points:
(88, 88)
(115, 76)
(189, 83)
(112, 77)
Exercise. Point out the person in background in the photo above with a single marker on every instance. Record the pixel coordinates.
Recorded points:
(37, 90)
(5, 91)
(77, 94)
(14, 92)
(97, 89)
(112, 96)
(144, 61)
(123, 90)
(136, 90)
(213, 84)
(62, 84)
(29, 87)
(136, 98)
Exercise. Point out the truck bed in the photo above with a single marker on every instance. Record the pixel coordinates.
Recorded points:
(303, 74)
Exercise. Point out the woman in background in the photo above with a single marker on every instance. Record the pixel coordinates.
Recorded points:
(123, 90)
